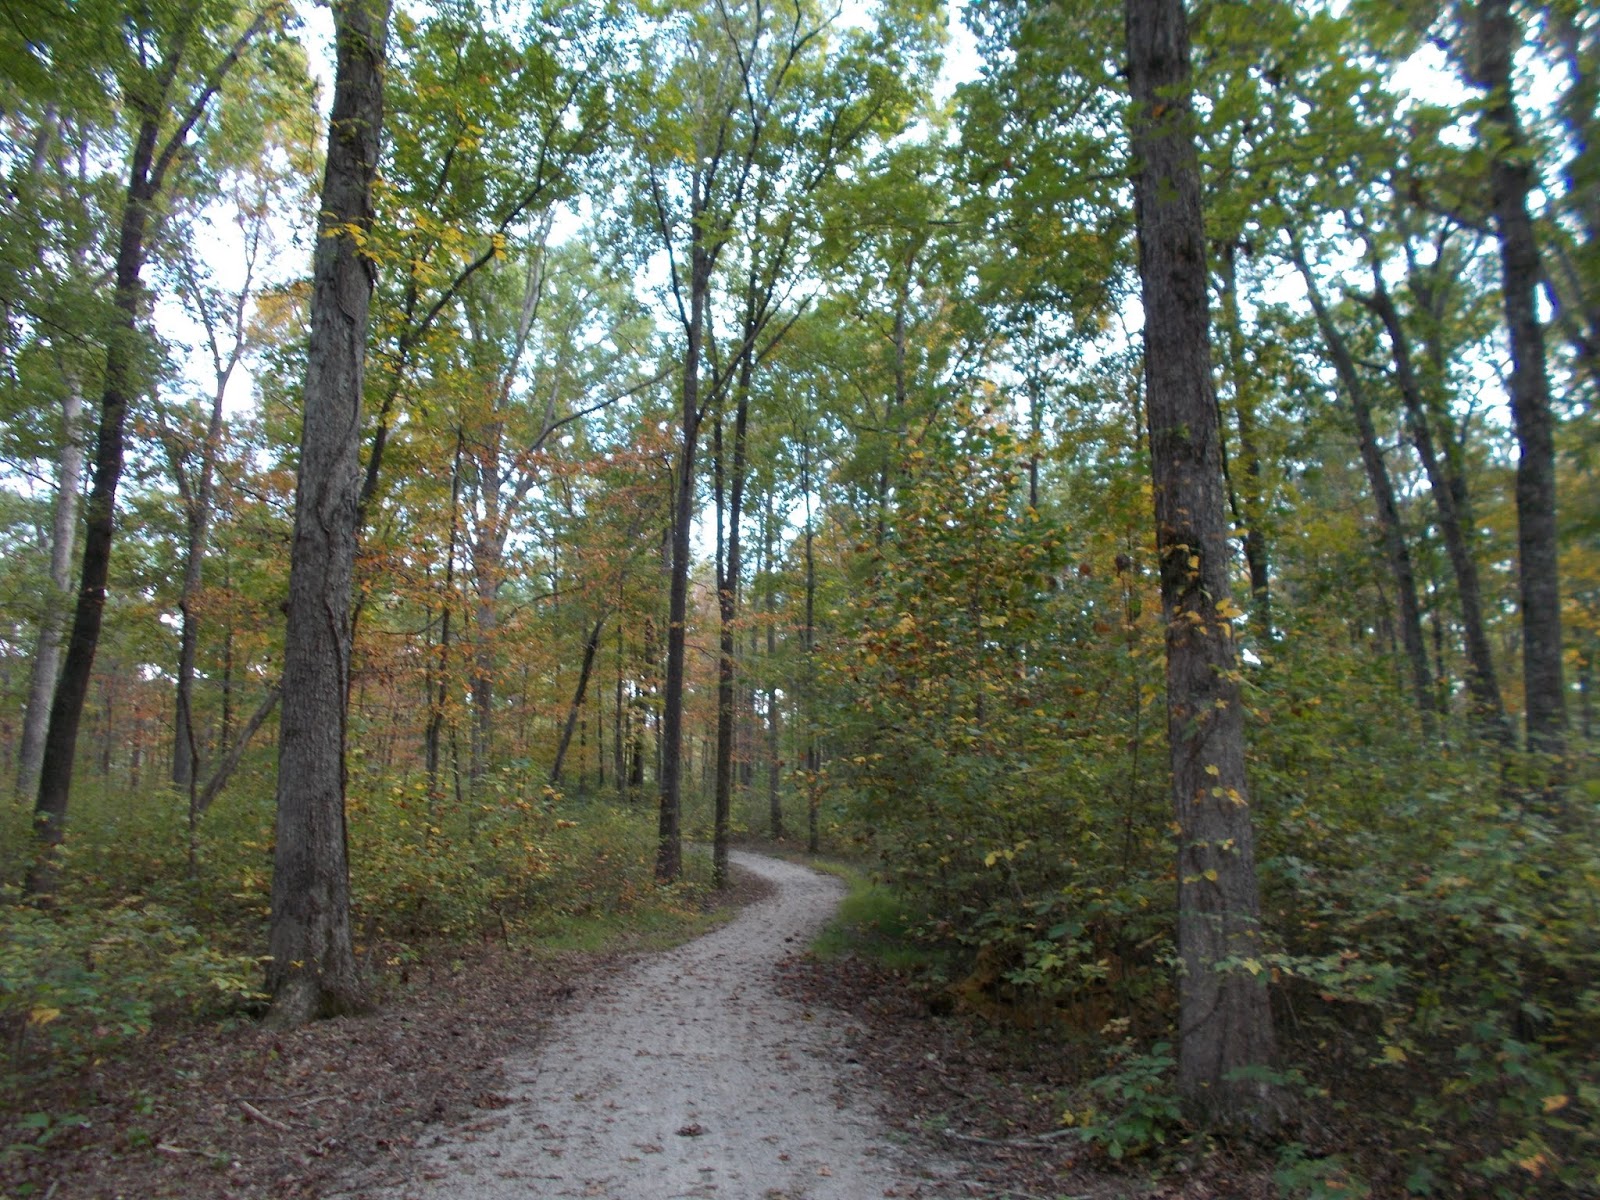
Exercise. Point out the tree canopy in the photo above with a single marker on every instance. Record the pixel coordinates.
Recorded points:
(1137, 491)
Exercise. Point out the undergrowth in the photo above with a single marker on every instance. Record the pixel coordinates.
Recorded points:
(137, 936)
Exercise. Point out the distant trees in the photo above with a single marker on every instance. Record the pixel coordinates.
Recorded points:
(682, 393)
(169, 70)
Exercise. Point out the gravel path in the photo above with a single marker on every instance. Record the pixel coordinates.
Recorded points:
(689, 1076)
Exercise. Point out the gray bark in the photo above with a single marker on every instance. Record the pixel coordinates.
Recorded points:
(1225, 1024)
(313, 971)
(1448, 495)
(63, 535)
(1396, 551)
(1511, 179)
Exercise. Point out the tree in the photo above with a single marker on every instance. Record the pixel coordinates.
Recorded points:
(162, 79)
(261, 167)
(1396, 550)
(1511, 178)
(313, 971)
(1225, 1025)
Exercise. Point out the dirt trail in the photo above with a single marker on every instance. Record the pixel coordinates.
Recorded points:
(688, 1076)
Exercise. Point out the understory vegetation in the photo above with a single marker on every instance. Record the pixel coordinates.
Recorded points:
(149, 936)
(748, 431)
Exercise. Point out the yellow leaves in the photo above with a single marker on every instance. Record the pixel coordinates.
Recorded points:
(43, 1015)
(1227, 609)
(1007, 854)
(1556, 1103)
(1394, 1054)
(1534, 1164)
(1213, 770)
(1253, 966)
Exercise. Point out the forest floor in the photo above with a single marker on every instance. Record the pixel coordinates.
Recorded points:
(734, 1066)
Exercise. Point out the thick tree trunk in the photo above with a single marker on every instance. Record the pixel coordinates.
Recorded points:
(1396, 551)
(1511, 179)
(1224, 1021)
(313, 970)
(63, 535)
(1488, 713)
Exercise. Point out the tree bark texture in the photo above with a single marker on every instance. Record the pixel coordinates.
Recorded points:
(1225, 1024)
(313, 971)
(1511, 179)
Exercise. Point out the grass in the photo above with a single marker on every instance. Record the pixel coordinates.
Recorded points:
(872, 923)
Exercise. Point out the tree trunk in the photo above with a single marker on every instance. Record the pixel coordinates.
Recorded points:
(150, 161)
(313, 970)
(1488, 713)
(1511, 179)
(619, 761)
(439, 690)
(591, 647)
(669, 844)
(123, 355)
(1383, 497)
(235, 753)
(197, 522)
(728, 600)
(813, 755)
(1225, 1023)
(1251, 506)
(63, 534)
(774, 765)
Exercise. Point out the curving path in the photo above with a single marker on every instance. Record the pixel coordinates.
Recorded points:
(688, 1076)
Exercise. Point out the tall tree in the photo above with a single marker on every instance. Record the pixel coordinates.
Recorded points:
(1447, 483)
(313, 971)
(1511, 178)
(163, 78)
(1396, 550)
(1225, 1024)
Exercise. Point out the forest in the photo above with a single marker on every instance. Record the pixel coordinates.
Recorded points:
(1136, 495)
